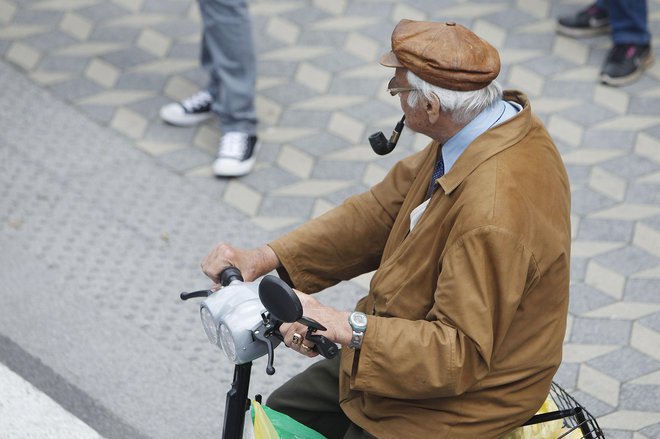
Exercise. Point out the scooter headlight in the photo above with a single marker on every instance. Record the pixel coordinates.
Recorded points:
(209, 325)
(227, 342)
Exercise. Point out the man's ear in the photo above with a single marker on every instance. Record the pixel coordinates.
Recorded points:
(433, 109)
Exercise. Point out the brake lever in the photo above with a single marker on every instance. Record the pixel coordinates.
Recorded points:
(322, 344)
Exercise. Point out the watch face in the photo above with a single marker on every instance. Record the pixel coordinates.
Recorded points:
(358, 320)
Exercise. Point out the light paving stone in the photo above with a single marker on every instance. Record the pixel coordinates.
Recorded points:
(321, 206)
(130, 5)
(590, 157)
(565, 130)
(629, 122)
(361, 153)
(23, 55)
(553, 105)
(651, 178)
(648, 146)
(102, 73)
(66, 5)
(510, 56)
(575, 226)
(645, 340)
(313, 77)
(271, 223)
(629, 420)
(265, 82)
(495, 35)
(469, 10)
(312, 188)
(159, 148)
(651, 273)
(283, 30)
(167, 66)
(571, 49)
(526, 80)
(242, 197)
(579, 74)
(115, 97)
(628, 211)
(344, 24)
(647, 238)
(139, 20)
(581, 353)
(283, 134)
(612, 98)
(402, 10)
(589, 249)
(207, 138)
(536, 8)
(373, 174)
(298, 53)
(335, 7)
(76, 25)
(362, 46)
(624, 310)
(18, 31)
(346, 127)
(599, 385)
(179, 88)
(329, 103)
(129, 123)
(7, 11)
(608, 184)
(295, 161)
(653, 379)
(89, 49)
(268, 110)
(154, 42)
(274, 8)
(363, 280)
(48, 78)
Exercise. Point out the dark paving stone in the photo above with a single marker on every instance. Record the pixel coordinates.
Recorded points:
(600, 331)
(625, 364)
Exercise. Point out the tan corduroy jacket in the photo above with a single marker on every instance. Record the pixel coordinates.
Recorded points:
(467, 312)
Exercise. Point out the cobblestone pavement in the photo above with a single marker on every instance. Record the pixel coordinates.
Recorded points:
(104, 197)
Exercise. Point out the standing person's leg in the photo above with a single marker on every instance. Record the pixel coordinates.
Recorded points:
(312, 398)
(228, 55)
(631, 53)
(629, 21)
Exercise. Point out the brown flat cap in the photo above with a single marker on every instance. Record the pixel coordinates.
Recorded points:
(444, 54)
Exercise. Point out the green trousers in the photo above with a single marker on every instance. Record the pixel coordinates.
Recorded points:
(312, 398)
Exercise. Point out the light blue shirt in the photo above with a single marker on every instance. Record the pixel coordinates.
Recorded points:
(498, 113)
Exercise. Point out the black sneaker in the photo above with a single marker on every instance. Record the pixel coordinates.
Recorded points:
(235, 155)
(191, 111)
(588, 22)
(625, 63)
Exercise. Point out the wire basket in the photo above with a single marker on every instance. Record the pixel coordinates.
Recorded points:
(580, 424)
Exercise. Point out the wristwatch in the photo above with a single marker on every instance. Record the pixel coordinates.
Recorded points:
(358, 322)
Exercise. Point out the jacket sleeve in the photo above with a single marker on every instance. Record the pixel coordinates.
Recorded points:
(483, 280)
(348, 240)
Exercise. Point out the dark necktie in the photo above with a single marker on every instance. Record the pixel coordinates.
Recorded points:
(438, 172)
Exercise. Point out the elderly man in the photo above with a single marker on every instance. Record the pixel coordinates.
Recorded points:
(461, 331)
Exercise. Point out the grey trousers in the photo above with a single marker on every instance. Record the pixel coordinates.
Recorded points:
(227, 53)
(312, 398)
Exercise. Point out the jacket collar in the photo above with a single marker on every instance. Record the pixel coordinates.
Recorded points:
(490, 143)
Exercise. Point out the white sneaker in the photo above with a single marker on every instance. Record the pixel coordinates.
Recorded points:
(191, 111)
(235, 155)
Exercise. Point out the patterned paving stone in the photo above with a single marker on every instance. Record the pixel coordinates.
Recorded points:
(321, 93)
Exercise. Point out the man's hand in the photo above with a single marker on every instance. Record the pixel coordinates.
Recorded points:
(336, 322)
(252, 263)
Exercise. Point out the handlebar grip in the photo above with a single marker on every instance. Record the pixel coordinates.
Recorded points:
(229, 275)
(324, 346)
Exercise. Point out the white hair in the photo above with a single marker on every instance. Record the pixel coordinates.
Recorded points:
(462, 105)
